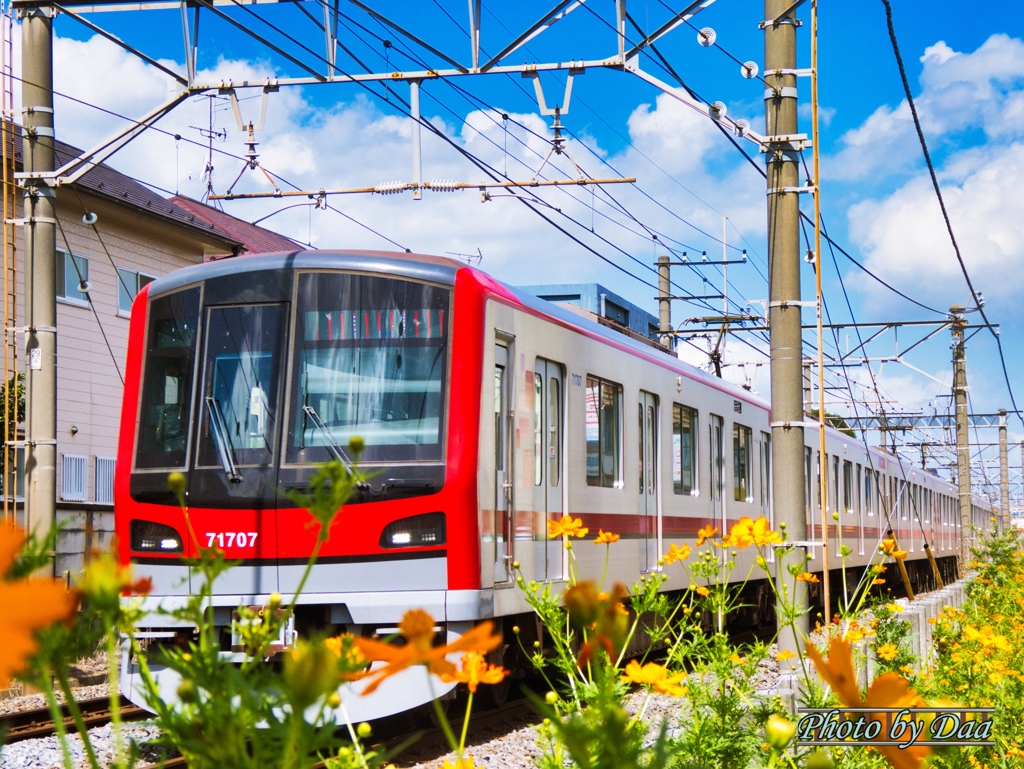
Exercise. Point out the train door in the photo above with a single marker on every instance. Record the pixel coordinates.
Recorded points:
(717, 455)
(504, 502)
(648, 448)
(233, 486)
(548, 419)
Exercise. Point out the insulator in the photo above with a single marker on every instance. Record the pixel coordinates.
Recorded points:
(389, 188)
(749, 69)
(717, 110)
(443, 185)
(742, 126)
(706, 37)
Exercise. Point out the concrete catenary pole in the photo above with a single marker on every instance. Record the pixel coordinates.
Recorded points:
(784, 284)
(41, 241)
(963, 449)
(664, 301)
(1004, 474)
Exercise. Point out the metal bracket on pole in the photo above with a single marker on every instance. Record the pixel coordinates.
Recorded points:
(563, 108)
(787, 425)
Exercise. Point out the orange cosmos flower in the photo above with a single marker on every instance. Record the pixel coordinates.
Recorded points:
(605, 537)
(476, 670)
(763, 534)
(741, 535)
(29, 605)
(806, 576)
(567, 526)
(878, 581)
(418, 628)
(701, 590)
(677, 553)
(889, 690)
(705, 534)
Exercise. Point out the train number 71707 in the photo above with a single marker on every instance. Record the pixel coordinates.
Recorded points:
(231, 538)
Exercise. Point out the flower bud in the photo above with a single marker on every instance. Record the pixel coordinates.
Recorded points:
(334, 701)
(310, 671)
(779, 731)
(176, 482)
(274, 601)
(364, 730)
(356, 445)
(187, 692)
(818, 759)
(551, 698)
(835, 516)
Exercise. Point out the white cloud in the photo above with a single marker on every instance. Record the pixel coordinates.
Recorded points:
(905, 240)
(960, 92)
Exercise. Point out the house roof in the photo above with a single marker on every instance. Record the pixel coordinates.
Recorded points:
(253, 239)
(105, 182)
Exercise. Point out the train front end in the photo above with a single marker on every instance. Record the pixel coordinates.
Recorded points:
(244, 375)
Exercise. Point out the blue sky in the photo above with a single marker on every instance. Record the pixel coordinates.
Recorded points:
(965, 68)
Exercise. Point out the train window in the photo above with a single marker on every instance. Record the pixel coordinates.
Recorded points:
(684, 449)
(808, 489)
(370, 360)
(538, 429)
(834, 490)
(243, 364)
(742, 486)
(848, 486)
(165, 412)
(604, 433)
(869, 493)
(554, 431)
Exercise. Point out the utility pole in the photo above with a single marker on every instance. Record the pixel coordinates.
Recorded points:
(1004, 474)
(963, 449)
(784, 319)
(41, 239)
(664, 301)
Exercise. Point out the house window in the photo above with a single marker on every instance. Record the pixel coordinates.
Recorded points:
(604, 433)
(684, 449)
(72, 277)
(129, 283)
(741, 464)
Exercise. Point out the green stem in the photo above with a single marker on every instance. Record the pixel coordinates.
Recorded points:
(58, 723)
(465, 723)
(356, 742)
(113, 677)
(76, 715)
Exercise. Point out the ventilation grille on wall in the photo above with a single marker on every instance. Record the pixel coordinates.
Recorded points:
(74, 480)
(105, 480)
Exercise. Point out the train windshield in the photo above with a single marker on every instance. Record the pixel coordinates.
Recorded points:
(370, 361)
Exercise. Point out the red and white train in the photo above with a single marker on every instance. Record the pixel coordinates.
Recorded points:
(486, 413)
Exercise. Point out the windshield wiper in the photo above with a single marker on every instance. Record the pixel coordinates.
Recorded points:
(220, 437)
(332, 444)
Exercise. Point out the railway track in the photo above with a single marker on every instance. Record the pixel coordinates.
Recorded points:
(31, 724)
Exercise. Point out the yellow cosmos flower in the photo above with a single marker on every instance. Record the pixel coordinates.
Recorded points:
(784, 655)
(352, 663)
(677, 553)
(567, 526)
(705, 534)
(887, 651)
(462, 762)
(894, 607)
(701, 590)
(605, 537)
(736, 659)
(654, 676)
(418, 628)
(475, 670)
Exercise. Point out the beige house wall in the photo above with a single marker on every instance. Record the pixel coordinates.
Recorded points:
(89, 374)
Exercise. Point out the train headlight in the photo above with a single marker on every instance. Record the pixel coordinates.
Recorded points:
(149, 537)
(417, 531)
